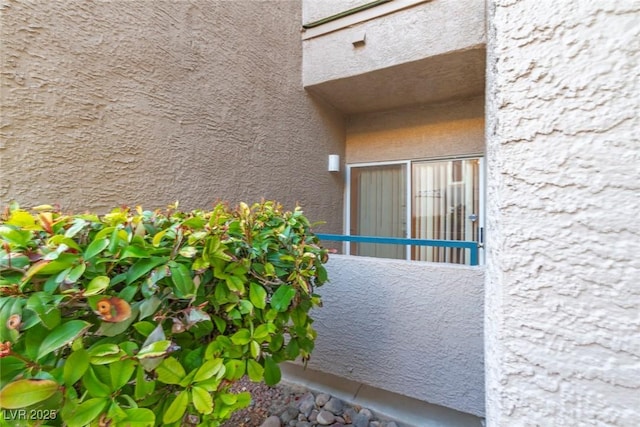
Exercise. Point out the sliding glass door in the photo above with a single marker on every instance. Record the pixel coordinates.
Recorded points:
(435, 200)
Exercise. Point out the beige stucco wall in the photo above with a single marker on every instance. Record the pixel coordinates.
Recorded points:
(412, 328)
(146, 103)
(424, 30)
(422, 53)
(562, 295)
(424, 132)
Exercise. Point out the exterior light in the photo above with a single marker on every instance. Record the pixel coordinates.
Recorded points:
(334, 163)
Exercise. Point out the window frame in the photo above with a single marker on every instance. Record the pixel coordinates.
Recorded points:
(409, 197)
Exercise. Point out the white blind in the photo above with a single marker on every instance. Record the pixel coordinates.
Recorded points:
(445, 195)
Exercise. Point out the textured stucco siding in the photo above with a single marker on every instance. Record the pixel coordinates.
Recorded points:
(148, 102)
(562, 292)
(424, 132)
(422, 31)
(411, 328)
(422, 53)
(314, 10)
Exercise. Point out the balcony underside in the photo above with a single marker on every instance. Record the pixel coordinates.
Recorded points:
(453, 75)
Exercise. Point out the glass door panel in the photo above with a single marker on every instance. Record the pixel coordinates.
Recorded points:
(378, 208)
(445, 206)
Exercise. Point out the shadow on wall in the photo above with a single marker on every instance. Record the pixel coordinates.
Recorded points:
(412, 328)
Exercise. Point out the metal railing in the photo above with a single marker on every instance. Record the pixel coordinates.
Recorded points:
(462, 244)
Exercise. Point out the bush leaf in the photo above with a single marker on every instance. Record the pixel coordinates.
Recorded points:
(202, 400)
(86, 412)
(156, 349)
(170, 371)
(282, 297)
(257, 295)
(96, 285)
(22, 393)
(272, 374)
(62, 335)
(177, 408)
(254, 370)
(95, 248)
(209, 369)
(139, 417)
(242, 337)
(181, 277)
(75, 366)
(121, 372)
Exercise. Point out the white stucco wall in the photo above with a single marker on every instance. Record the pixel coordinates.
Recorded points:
(422, 53)
(411, 328)
(314, 10)
(562, 292)
(424, 30)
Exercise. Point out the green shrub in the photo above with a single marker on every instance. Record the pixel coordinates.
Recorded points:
(146, 318)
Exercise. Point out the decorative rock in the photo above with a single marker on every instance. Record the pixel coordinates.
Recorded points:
(367, 413)
(349, 414)
(272, 421)
(325, 418)
(289, 414)
(277, 408)
(306, 404)
(307, 409)
(361, 420)
(335, 405)
(322, 399)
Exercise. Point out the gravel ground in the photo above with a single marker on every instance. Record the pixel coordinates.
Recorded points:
(265, 401)
(287, 405)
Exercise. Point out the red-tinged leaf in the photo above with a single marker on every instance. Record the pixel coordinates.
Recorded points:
(113, 309)
(33, 270)
(46, 220)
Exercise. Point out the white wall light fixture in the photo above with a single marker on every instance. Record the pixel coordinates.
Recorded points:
(334, 163)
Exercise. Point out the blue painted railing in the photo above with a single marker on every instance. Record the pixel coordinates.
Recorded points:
(472, 246)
